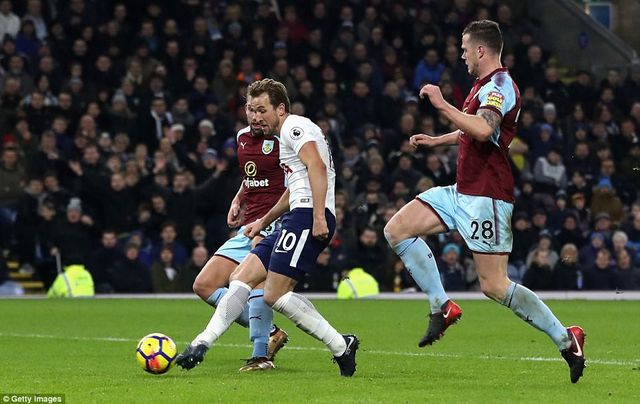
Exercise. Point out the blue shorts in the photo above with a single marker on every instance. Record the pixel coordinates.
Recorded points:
(293, 251)
(239, 246)
(483, 222)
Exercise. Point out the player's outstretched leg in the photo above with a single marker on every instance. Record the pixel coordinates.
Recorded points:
(229, 309)
(570, 341)
(260, 320)
(304, 314)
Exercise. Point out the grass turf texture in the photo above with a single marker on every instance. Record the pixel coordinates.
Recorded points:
(85, 350)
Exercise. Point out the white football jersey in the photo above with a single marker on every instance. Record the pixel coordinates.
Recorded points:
(295, 132)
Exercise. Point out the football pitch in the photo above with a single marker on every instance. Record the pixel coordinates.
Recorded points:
(84, 349)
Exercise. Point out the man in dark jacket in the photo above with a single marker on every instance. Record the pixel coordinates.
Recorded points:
(371, 256)
(73, 236)
(568, 273)
(600, 276)
(102, 260)
(539, 275)
(129, 275)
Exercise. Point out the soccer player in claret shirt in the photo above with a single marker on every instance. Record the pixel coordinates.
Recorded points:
(480, 204)
(283, 258)
(261, 188)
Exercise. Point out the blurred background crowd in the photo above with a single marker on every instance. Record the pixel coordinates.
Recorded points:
(118, 122)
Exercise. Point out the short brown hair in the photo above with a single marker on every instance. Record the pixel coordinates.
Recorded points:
(276, 90)
(486, 32)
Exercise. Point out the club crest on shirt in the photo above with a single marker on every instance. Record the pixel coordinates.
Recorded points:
(267, 146)
(296, 132)
(495, 99)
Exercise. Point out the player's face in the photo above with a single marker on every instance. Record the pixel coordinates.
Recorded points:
(256, 129)
(470, 55)
(265, 114)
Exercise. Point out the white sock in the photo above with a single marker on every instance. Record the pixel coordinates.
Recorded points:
(303, 313)
(229, 308)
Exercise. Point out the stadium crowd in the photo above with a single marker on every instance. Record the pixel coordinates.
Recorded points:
(118, 122)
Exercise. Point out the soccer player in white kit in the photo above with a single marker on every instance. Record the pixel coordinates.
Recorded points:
(283, 258)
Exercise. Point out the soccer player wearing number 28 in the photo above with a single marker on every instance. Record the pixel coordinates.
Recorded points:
(282, 258)
(480, 204)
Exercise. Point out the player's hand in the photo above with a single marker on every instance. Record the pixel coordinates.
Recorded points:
(253, 229)
(234, 215)
(422, 140)
(434, 94)
(320, 228)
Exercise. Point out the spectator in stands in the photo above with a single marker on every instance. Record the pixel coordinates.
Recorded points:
(543, 141)
(600, 275)
(627, 276)
(9, 22)
(619, 241)
(568, 274)
(151, 220)
(154, 123)
(539, 274)
(582, 91)
(523, 238)
(73, 237)
(405, 171)
(101, 261)
(165, 275)
(371, 256)
(553, 90)
(453, 274)
(605, 201)
(549, 174)
(428, 70)
(26, 220)
(12, 180)
(525, 200)
(326, 276)
(129, 274)
(540, 220)
(168, 238)
(545, 240)
(190, 271)
(530, 72)
(570, 233)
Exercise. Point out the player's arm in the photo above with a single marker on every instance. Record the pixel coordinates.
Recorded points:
(234, 217)
(282, 206)
(279, 209)
(448, 139)
(480, 126)
(318, 181)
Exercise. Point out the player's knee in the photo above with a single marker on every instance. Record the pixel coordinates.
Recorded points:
(492, 290)
(201, 288)
(235, 276)
(270, 299)
(391, 232)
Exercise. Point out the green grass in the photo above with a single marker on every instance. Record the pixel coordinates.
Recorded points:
(62, 346)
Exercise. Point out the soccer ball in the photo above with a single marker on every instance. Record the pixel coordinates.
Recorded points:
(155, 353)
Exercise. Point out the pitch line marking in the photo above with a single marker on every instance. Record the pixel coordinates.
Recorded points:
(632, 362)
